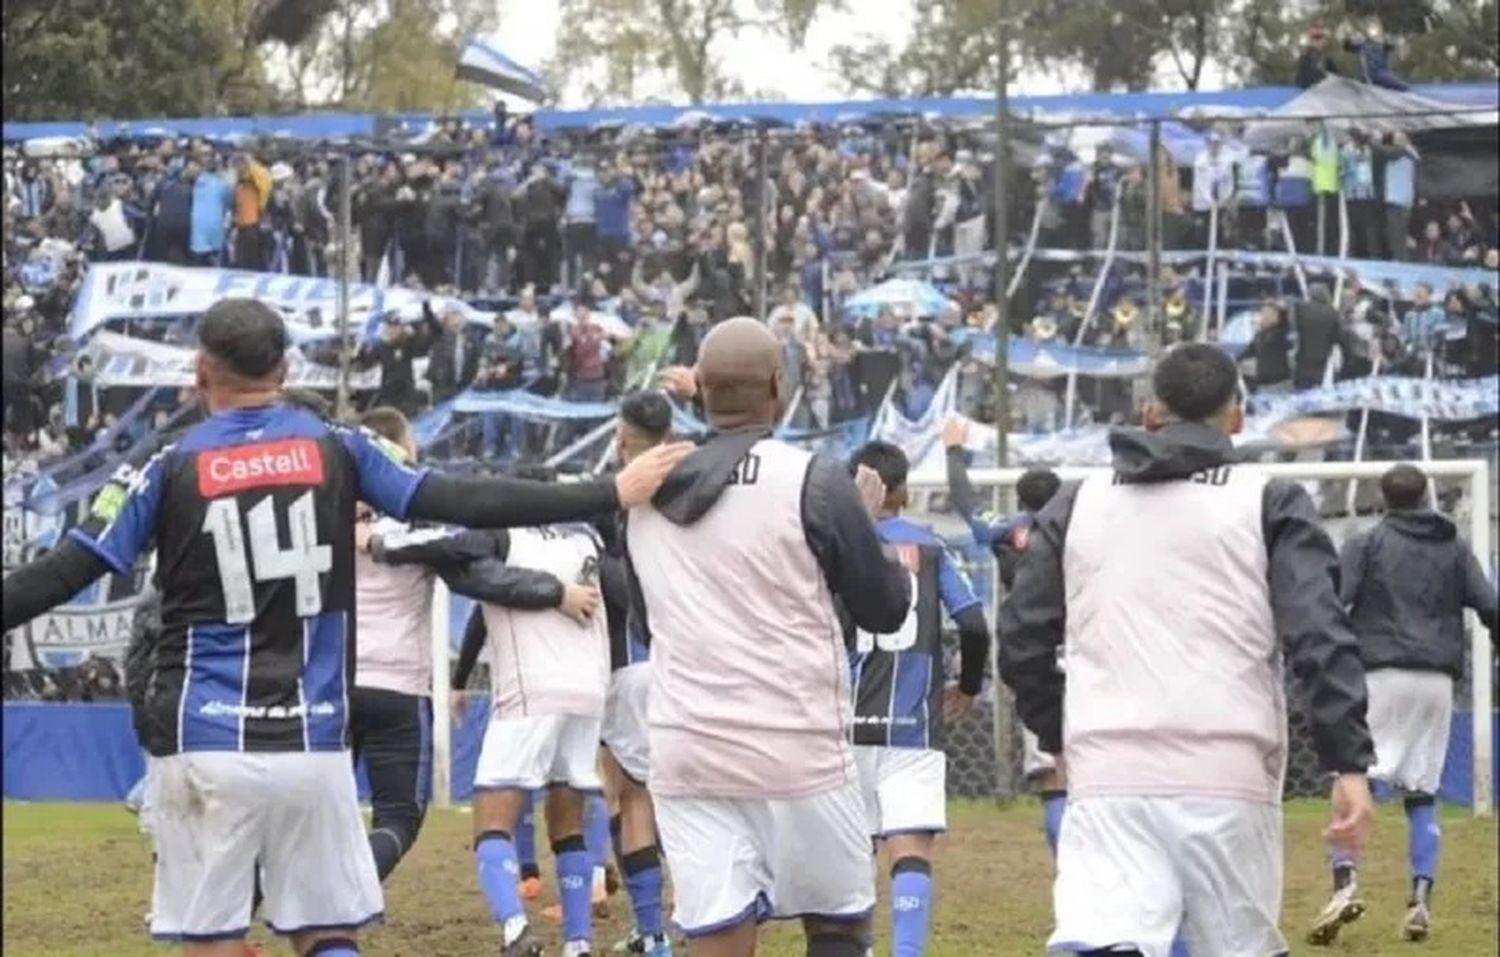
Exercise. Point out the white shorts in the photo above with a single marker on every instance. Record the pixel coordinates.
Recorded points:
(1130, 870)
(625, 733)
(1034, 761)
(735, 860)
(905, 789)
(528, 753)
(1409, 715)
(216, 814)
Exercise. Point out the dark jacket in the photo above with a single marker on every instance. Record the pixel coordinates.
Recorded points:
(1273, 363)
(1312, 66)
(1407, 582)
(140, 660)
(1318, 331)
(1302, 575)
(442, 371)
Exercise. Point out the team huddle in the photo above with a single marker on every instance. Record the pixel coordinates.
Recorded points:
(727, 662)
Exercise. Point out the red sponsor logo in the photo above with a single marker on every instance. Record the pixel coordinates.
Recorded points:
(264, 464)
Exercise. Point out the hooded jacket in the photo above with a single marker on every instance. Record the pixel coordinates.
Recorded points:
(1175, 588)
(1407, 582)
(737, 562)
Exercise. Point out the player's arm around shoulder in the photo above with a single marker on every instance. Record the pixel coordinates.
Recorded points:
(875, 589)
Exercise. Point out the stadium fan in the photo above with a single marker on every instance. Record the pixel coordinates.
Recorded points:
(1407, 582)
(902, 701)
(738, 561)
(253, 661)
(1187, 581)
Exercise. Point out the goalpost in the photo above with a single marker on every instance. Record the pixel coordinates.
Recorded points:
(1473, 473)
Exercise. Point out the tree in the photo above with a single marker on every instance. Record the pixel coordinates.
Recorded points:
(96, 59)
(1437, 41)
(389, 55)
(952, 50)
(618, 46)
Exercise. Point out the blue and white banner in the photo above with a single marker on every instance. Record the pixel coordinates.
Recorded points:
(125, 361)
(141, 290)
(529, 405)
(1442, 400)
(1052, 360)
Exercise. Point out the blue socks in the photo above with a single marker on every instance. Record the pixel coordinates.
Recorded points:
(498, 875)
(575, 884)
(642, 872)
(1423, 843)
(596, 829)
(911, 906)
(1179, 949)
(1054, 803)
(525, 842)
(331, 947)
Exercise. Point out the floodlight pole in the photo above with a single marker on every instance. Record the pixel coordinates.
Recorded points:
(1002, 261)
(760, 223)
(346, 352)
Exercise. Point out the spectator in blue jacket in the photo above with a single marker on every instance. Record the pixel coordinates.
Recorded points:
(612, 220)
(212, 197)
(1400, 192)
(1374, 52)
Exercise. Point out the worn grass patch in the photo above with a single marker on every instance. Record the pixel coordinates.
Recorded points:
(77, 881)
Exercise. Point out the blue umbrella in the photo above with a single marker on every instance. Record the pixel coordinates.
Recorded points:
(910, 296)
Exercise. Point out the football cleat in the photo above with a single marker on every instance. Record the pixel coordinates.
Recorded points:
(1344, 907)
(1418, 922)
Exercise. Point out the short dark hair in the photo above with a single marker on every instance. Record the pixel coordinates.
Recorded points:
(1195, 380)
(387, 422)
(1036, 488)
(245, 335)
(886, 460)
(647, 412)
(308, 400)
(1402, 486)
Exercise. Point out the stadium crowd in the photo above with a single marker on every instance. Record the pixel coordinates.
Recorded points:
(660, 231)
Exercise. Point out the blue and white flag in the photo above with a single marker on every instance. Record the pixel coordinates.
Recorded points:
(480, 62)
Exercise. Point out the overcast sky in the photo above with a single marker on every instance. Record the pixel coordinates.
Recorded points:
(760, 61)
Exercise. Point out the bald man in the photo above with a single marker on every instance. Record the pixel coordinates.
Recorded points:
(738, 562)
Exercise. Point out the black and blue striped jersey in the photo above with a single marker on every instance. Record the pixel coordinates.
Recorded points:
(252, 513)
(898, 678)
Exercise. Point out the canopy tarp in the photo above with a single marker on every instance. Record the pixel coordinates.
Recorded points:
(1349, 104)
(1116, 106)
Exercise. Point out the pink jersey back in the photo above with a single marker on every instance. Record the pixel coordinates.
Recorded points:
(394, 615)
(1174, 671)
(750, 693)
(542, 662)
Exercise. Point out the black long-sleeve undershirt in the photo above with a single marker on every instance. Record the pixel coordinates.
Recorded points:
(41, 585)
(498, 502)
(973, 648)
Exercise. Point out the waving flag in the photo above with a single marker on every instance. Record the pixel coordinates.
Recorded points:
(481, 63)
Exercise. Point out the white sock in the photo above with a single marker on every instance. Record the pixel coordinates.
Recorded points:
(599, 882)
(576, 948)
(514, 928)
